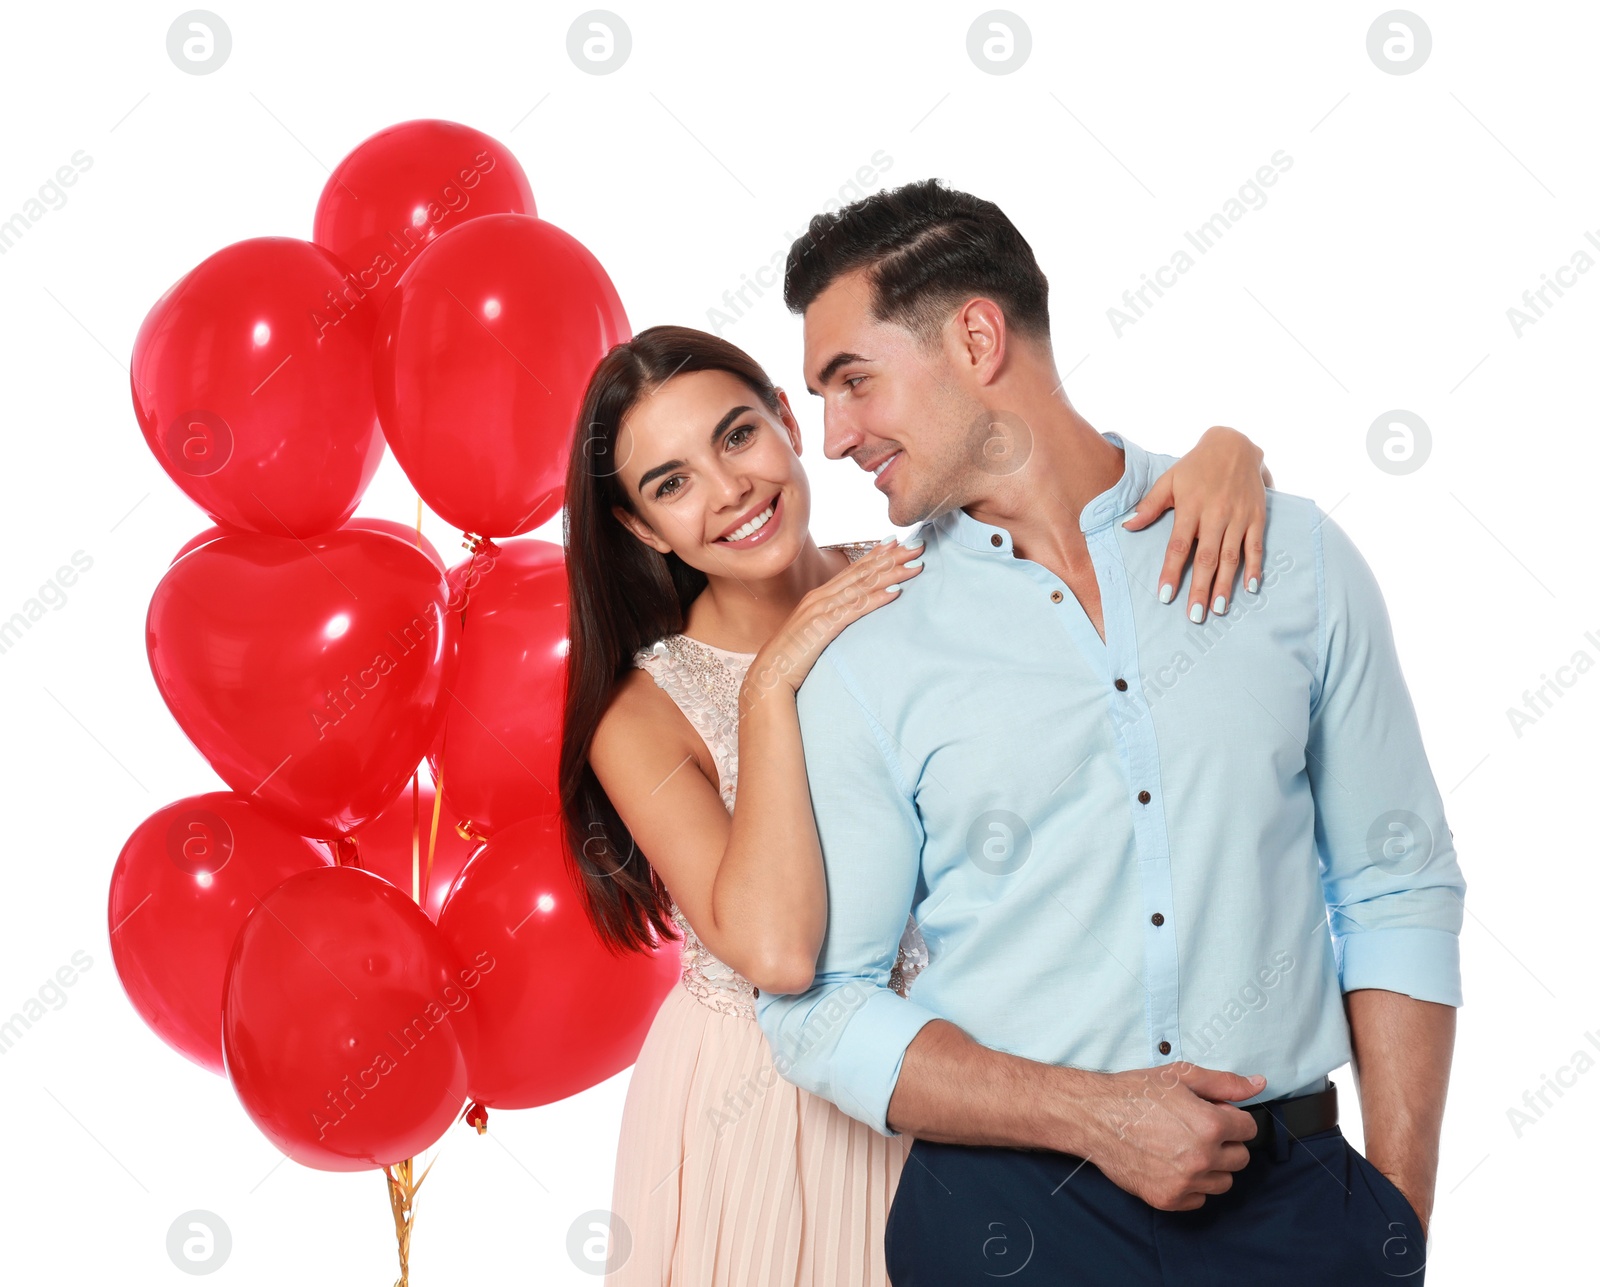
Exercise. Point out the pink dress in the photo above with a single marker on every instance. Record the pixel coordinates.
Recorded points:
(727, 1175)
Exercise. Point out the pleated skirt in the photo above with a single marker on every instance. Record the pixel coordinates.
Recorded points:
(729, 1176)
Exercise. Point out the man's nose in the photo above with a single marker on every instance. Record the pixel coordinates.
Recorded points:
(839, 435)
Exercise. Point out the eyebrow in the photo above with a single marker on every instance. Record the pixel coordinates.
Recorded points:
(716, 433)
(831, 369)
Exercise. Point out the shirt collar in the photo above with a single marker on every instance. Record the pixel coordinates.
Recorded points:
(1118, 500)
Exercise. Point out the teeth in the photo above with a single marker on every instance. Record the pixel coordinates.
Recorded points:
(754, 525)
(884, 466)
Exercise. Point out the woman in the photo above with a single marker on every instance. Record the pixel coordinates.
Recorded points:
(726, 1174)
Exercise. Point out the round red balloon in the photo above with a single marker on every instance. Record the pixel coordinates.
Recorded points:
(182, 887)
(405, 532)
(406, 185)
(309, 673)
(252, 382)
(559, 1012)
(502, 736)
(385, 846)
(348, 1023)
(482, 356)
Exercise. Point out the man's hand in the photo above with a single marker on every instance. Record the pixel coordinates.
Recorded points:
(1168, 1134)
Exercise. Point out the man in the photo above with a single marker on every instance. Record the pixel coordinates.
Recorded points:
(1156, 861)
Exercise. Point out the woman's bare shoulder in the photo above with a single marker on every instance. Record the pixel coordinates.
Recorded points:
(636, 700)
(642, 725)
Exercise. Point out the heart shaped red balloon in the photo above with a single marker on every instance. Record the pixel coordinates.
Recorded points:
(502, 737)
(560, 1012)
(252, 382)
(309, 673)
(480, 363)
(348, 1023)
(183, 885)
(405, 186)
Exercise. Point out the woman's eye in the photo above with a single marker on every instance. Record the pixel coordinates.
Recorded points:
(673, 485)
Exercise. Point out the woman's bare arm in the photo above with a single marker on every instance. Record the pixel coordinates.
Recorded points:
(751, 885)
(658, 773)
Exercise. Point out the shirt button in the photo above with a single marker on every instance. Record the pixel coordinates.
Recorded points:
(1144, 797)
(1158, 919)
(995, 539)
(1122, 685)
(1165, 1047)
(1055, 596)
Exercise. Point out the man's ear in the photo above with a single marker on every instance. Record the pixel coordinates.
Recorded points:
(981, 337)
(790, 424)
(641, 529)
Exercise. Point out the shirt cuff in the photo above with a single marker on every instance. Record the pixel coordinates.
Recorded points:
(1420, 962)
(871, 1049)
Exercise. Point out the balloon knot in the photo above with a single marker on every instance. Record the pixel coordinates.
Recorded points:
(468, 831)
(477, 544)
(477, 1115)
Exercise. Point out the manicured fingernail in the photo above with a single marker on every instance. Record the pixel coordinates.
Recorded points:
(1254, 586)
(915, 543)
(893, 588)
(1197, 613)
(1257, 1077)
(888, 540)
(1166, 594)
(1129, 519)
(1220, 605)
(914, 563)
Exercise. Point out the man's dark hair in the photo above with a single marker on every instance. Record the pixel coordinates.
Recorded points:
(929, 249)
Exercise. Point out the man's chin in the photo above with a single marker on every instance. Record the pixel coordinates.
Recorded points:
(905, 512)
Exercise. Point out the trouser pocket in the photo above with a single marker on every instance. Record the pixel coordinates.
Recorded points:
(1404, 1248)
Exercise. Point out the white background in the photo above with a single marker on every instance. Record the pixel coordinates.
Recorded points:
(1377, 276)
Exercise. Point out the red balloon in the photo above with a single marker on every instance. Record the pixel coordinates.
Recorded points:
(480, 364)
(406, 533)
(405, 186)
(348, 1023)
(385, 847)
(559, 1012)
(252, 382)
(502, 737)
(183, 885)
(309, 673)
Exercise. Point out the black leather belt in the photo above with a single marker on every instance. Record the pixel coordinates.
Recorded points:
(1299, 1116)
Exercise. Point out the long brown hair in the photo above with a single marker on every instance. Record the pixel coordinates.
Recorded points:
(622, 596)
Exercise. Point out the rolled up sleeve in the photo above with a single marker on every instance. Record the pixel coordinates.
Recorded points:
(845, 1037)
(1386, 856)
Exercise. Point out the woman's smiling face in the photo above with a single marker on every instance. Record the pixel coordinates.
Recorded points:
(716, 476)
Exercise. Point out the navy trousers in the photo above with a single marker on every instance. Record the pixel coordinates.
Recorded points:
(1310, 1212)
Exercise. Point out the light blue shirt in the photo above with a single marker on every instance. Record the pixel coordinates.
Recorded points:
(1185, 842)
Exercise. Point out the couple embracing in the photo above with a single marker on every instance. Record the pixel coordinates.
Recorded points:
(1078, 836)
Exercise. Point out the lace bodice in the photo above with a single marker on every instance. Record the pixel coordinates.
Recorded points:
(704, 681)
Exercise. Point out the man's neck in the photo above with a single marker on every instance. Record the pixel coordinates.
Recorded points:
(1068, 464)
